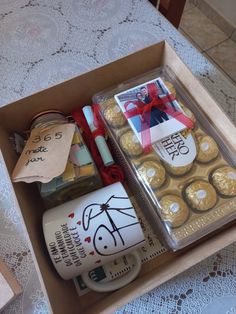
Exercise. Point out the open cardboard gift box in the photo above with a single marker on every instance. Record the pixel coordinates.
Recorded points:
(67, 96)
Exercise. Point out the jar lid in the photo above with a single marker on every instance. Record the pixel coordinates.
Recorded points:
(47, 116)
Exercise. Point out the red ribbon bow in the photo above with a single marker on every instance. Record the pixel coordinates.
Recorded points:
(144, 110)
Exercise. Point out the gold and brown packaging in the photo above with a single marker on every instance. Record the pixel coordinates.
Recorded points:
(185, 183)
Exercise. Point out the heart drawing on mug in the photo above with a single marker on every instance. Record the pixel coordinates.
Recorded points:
(88, 239)
(71, 215)
(98, 261)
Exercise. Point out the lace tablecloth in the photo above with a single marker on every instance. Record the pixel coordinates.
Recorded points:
(44, 42)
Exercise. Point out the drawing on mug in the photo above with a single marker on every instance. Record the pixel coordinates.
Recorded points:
(114, 225)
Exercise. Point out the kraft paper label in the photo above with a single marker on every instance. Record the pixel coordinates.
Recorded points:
(45, 154)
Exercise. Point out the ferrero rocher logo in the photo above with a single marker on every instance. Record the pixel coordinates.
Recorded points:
(175, 145)
(178, 149)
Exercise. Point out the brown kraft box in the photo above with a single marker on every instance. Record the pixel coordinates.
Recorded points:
(66, 97)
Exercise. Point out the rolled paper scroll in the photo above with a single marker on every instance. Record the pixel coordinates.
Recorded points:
(99, 139)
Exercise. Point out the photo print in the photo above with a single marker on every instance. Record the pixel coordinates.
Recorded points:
(152, 112)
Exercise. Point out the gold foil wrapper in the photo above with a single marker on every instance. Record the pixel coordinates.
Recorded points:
(152, 156)
(224, 180)
(178, 171)
(207, 148)
(171, 88)
(153, 174)
(201, 195)
(113, 114)
(188, 112)
(130, 144)
(174, 211)
(195, 198)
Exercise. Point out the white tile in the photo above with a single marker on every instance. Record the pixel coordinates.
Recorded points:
(224, 55)
(190, 39)
(202, 31)
(227, 8)
(216, 17)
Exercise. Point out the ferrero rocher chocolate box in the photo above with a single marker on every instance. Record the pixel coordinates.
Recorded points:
(186, 179)
(68, 96)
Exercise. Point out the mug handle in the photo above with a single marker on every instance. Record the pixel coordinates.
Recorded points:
(117, 283)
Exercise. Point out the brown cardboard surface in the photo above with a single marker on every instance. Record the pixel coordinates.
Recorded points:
(67, 96)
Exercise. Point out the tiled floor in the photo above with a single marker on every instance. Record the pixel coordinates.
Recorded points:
(227, 7)
(209, 39)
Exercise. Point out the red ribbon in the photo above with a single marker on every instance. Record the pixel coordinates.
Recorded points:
(144, 110)
(98, 123)
(110, 174)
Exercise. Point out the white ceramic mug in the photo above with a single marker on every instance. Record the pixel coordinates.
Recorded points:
(91, 231)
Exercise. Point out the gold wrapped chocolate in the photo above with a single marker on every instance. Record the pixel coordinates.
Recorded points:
(185, 178)
(224, 180)
(130, 144)
(153, 173)
(187, 112)
(207, 148)
(178, 171)
(171, 88)
(113, 114)
(201, 195)
(174, 210)
(137, 161)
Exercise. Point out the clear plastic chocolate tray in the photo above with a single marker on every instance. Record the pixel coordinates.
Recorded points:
(186, 182)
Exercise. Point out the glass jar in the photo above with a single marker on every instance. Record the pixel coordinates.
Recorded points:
(80, 175)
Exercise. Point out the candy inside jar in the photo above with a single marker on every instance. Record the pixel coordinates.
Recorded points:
(80, 175)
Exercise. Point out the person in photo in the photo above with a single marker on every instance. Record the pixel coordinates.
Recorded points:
(156, 116)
